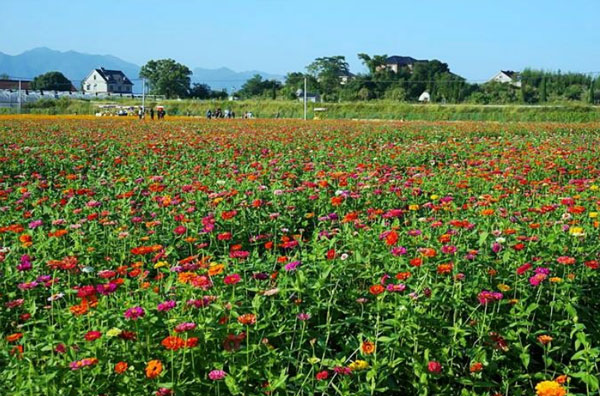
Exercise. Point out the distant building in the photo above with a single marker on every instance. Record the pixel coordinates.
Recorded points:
(425, 97)
(345, 77)
(107, 81)
(13, 85)
(507, 77)
(395, 63)
(310, 97)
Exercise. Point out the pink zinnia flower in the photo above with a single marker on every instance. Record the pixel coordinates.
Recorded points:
(232, 279)
(304, 316)
(217, 375)
(399, 250)
(35, 224)
(486, 297)
(292, 266)
(183, 327)
(395, 288)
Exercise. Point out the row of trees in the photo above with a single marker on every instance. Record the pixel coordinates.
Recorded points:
(330, 78)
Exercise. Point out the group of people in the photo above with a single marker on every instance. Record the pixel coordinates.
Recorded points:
(160, 113)
(219, 113)
(226, 114)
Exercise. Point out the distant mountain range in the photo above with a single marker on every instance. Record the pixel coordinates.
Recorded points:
(76, 66)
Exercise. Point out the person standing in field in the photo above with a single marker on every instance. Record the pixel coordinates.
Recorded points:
(152, 114)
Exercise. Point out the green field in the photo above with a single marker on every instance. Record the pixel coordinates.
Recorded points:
(388, 110)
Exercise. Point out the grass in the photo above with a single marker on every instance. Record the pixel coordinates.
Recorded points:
(387, 110)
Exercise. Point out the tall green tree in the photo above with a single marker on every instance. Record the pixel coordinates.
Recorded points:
(591, 94)
(167, 77)
(200, 91)
(328, 71)
(257, 87)
(51, 81)
(375, 64)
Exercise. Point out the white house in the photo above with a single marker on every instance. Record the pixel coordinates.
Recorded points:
(310, 97)
(506, 77)
(425, 97)
(107, 81)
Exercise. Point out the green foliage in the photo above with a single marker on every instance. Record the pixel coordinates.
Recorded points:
(51, 81)
(200, 91)
(167, 77)
(329, 71)
(257, 87)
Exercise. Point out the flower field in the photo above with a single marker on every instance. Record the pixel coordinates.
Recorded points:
(289, 258)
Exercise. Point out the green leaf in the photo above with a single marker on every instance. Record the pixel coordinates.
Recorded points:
(525, 358)
(231, 385)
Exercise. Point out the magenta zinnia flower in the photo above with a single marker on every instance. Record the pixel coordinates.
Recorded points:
(25, 264)
(187, 326)
(135, 313)
(166, 306)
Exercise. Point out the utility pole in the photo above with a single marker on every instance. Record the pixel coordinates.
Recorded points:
(304, 98)
(19, 97)
(143, 97)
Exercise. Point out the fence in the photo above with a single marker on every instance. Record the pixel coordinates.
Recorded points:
(9, 98)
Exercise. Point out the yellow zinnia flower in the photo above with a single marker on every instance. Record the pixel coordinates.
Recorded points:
(358, 365)
(550, 388)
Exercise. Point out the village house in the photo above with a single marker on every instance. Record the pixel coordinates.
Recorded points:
(395, 63)
(107, 81)
(507, 77)
(310, 97)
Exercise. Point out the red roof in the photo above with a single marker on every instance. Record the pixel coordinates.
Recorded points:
(14, 85)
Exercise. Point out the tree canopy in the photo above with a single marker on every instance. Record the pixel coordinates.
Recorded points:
(167, 77)
(51, 81)
(257, 87)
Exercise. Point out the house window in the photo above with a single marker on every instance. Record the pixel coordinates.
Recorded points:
(88, 87)
(94, 76)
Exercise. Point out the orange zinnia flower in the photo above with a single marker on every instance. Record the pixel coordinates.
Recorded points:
(215, 269)
(376, 289)
(14, 337)
(173, 343)
(25, 240)
(368, 347)
(445, 268)
(336, 201)
(121, 367)
(247, 319)
(544, 339)
(153, 368)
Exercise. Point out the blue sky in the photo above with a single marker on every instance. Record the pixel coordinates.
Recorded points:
(476, 38)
